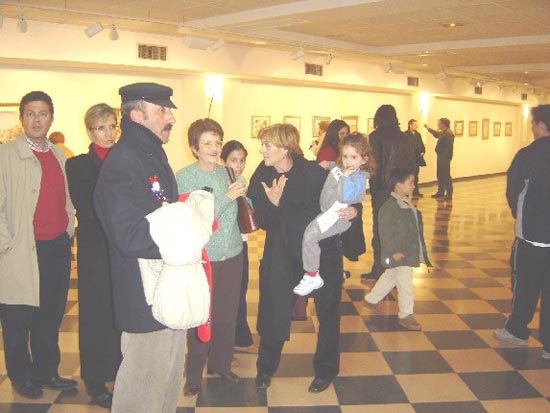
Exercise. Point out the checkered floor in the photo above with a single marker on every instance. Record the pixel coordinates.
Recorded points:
(453, 365)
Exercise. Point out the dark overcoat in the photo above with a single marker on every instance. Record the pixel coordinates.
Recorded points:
(99, 341)
(134, 181)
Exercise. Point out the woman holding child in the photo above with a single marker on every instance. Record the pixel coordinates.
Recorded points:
(285, 190)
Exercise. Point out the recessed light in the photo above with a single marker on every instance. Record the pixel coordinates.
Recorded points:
(526, 72)
(452, 25)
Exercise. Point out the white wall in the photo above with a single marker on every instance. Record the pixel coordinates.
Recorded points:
(256, 82)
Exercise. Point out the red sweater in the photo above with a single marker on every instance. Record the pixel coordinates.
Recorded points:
(50, 216)
(327, 154)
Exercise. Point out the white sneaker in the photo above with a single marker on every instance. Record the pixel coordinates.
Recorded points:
(545, 355)
(501, 334)
(308, 284)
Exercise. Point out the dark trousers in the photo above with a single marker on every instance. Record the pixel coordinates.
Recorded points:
(41, 324)
(243, 336)
(532, 279)
(444, 180)
(226, 286)
(416, 180)
(327, 354)
(378, 198)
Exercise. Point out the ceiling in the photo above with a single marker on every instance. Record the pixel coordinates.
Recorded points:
(504, 41)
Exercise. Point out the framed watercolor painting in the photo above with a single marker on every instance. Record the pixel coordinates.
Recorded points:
(485, 124)
(10, 127)
(508, 129)
(497, 126)
(315, 124)
(459, 128)
(294, 121)
(472, 128)
(258, 123)
(352, 122)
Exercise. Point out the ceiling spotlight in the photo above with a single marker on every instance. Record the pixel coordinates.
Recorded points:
(441, 75)
(94, 29)
(218, 44)
(196, 42)
(113, 34)
(298, 54)
(328, 59)
(22, 24)
(452, 25)
(395, 69)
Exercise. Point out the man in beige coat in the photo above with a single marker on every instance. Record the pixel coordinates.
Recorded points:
(36, 226)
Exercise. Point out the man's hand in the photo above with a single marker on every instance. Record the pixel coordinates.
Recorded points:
(398, 256)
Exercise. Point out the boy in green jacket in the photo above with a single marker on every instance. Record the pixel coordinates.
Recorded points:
(403, 247)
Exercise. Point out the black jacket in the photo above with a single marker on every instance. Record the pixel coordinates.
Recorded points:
(281, 266)
(528, 191)
(123, 198)
(419, 149)
(391, 150)
(445, 143)
(99, 342)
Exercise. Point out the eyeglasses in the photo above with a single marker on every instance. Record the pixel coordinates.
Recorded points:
(104, 128)
(217, 144)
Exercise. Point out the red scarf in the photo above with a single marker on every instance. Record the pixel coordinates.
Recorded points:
(101, 152)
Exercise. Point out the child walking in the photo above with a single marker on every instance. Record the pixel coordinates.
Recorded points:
(403, 247)
(345, 185)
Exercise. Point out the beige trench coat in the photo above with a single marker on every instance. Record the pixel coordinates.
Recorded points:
(20, 176)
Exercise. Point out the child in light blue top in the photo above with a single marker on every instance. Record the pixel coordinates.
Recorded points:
(345, 185)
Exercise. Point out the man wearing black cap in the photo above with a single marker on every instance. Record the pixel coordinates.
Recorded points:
(135, 180)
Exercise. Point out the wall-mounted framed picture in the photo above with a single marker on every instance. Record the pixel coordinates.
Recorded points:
(10, 127)
(472, 128)
(315, 124)
(370, 125)
(258, 123)
(459, 128)
(295, 121)
(508, 129)
(497, 126)
(485, 125)
(352, 122)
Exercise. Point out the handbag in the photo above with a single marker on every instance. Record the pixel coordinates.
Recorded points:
(245, 217)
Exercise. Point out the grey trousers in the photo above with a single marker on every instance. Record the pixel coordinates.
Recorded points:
(226, 287)
(311, 252)
(149, 378)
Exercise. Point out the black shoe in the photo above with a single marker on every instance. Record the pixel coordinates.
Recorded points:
(438, 195)
(56, 383)
(190, 390)
(263, 381)
(448, 198)
(369, 276)
(27, 389)
(318, 385)
(103, 400)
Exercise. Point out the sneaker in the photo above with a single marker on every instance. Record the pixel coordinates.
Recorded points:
(501, 334)
(410, 323)
(545, 355)
(308, 284)
(375, 308)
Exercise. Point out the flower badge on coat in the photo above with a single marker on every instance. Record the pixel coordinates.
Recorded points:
(157, 190)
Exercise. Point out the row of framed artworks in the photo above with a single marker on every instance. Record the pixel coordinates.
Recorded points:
(485, 128)
(260, 122)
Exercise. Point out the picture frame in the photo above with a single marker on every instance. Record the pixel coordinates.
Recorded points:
(497, 126)
(485, 125)
(258, 122)
(352, 122)
(370, 125)
(472, 128)
(508, 129)
(459, 128)
(10, 126)
(295, 121)
(315, 124)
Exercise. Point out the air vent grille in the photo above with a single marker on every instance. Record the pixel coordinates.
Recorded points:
(478, 90)
(152, 52)
(413, 81)
(313, 69)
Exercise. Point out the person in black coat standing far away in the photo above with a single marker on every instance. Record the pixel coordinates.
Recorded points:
(285, 190)
(99, 341)
(444, 150)
(415, 139)
(135, 180)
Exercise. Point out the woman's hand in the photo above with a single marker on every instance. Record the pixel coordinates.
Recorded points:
(348, 213)
(398, 256)
(275, 192)
(236, 190)
(324, 164)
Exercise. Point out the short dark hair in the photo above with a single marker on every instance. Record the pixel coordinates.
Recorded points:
(201, 126)
(399, 176)
(541, 113)
(411, 121)
(446, 122)
(34, 96)
(231, 146)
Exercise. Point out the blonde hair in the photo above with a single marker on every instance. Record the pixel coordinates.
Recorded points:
(98, 112)
(283, 136)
